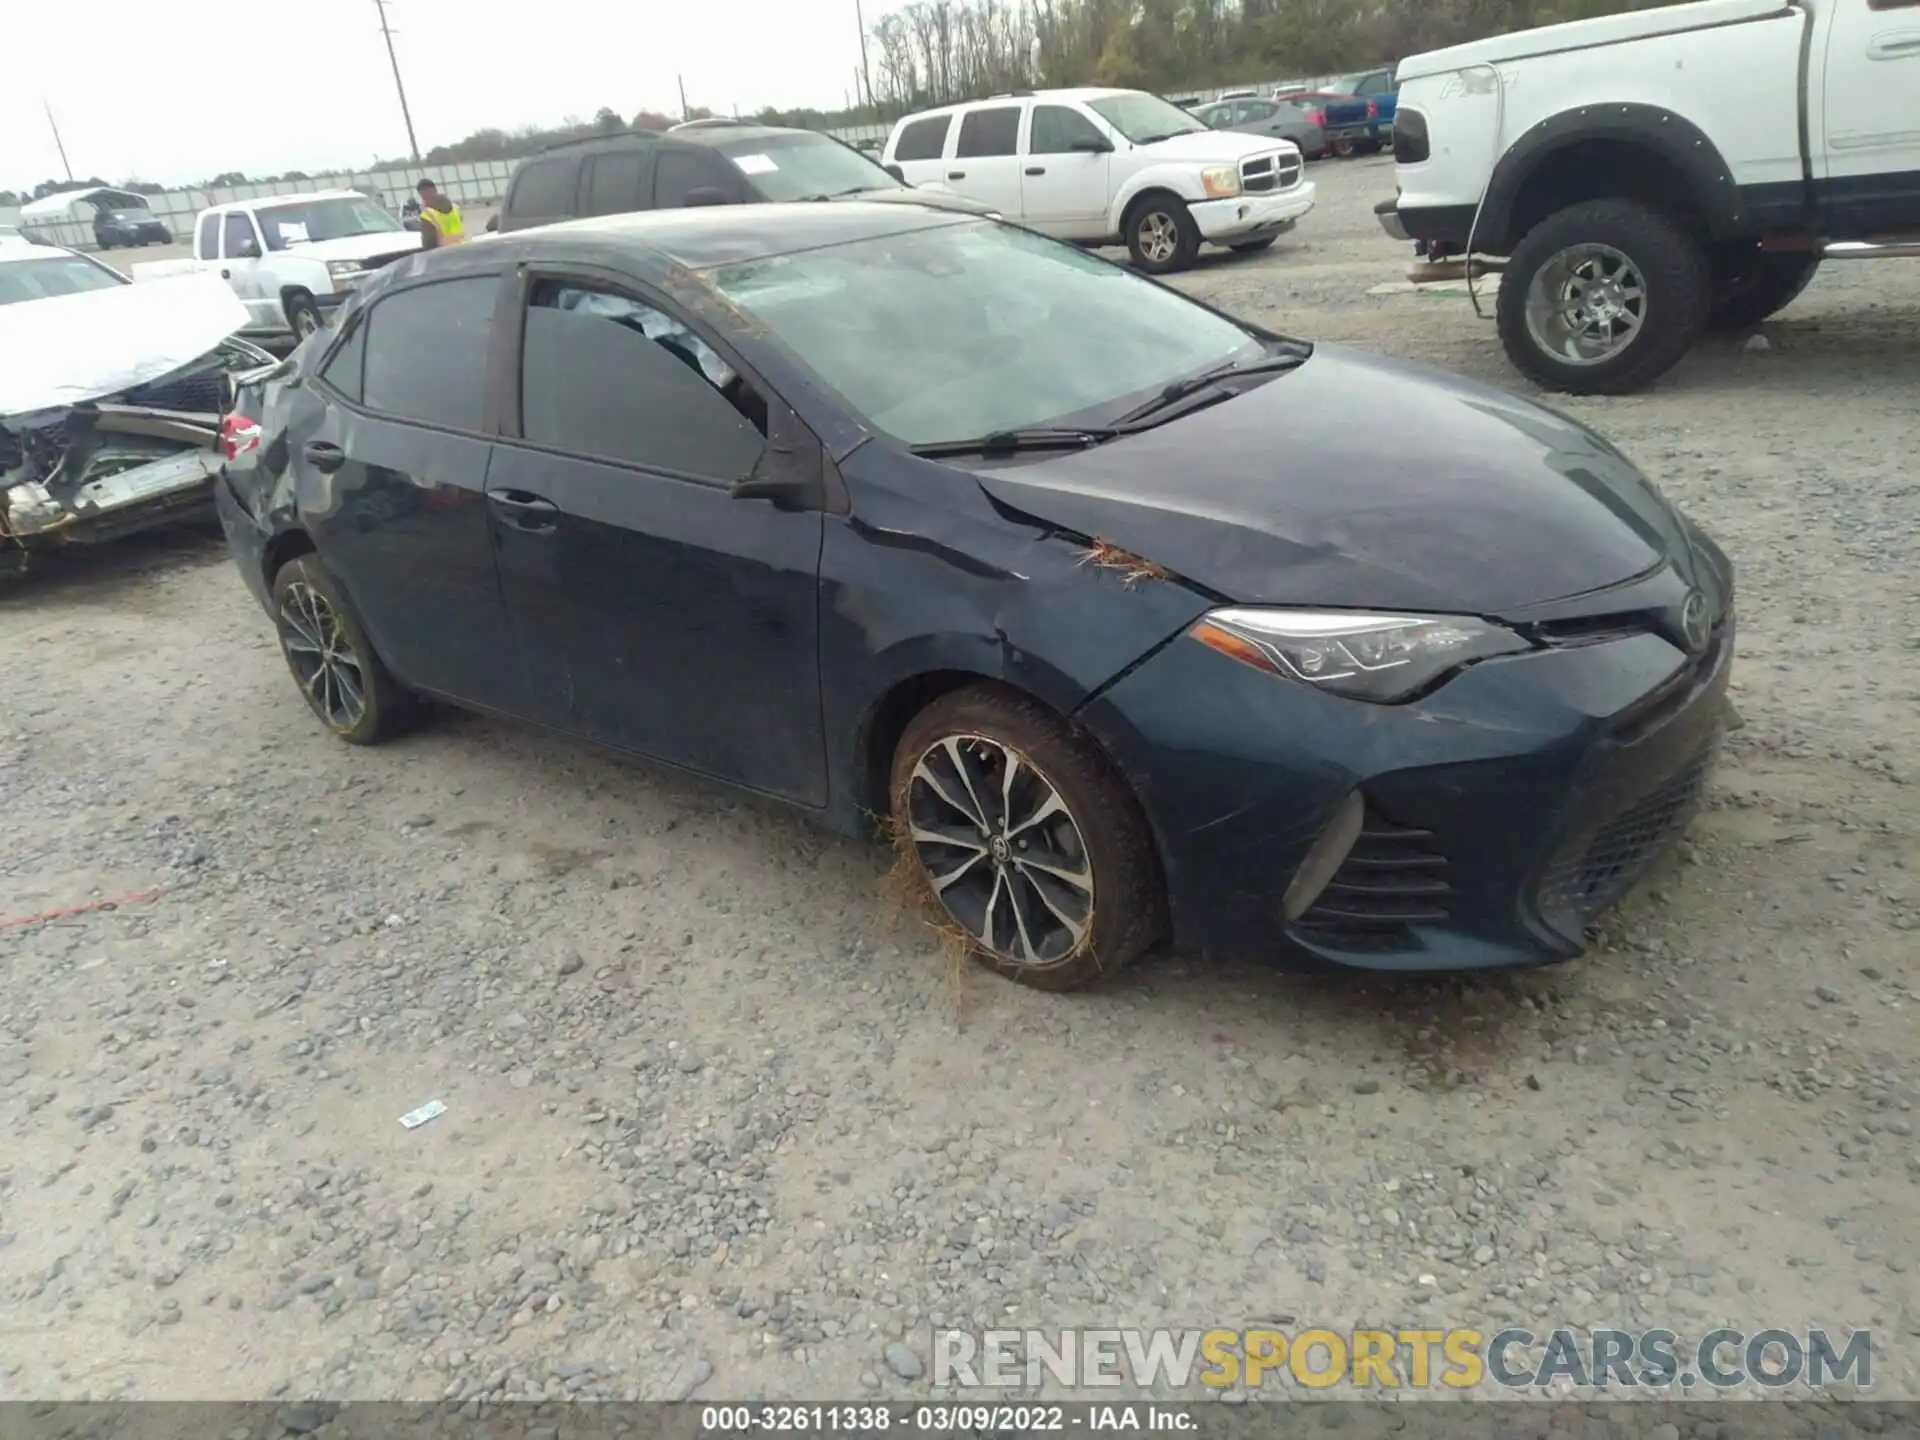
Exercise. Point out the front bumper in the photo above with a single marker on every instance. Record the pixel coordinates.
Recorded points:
(163, 492)
(1244, 216)
(1503, 813)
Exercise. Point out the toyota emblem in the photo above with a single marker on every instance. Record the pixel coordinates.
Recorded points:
(1694, 628)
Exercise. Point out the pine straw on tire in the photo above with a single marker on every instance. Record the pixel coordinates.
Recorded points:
(906, 896)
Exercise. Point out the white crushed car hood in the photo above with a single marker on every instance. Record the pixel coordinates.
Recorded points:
(1578, 34)
(73, 348)
(1214, 147)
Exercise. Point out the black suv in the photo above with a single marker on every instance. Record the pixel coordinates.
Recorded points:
(700, 164)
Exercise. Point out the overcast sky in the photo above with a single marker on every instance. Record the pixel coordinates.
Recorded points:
(153, 90)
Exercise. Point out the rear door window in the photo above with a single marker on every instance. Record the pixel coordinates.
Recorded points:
(426, 352)
(987, 133)
(543, 190)
(613, 181)
(606, 376)
(923, 139)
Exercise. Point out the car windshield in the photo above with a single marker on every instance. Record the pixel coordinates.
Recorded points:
(1346, 84)
(1144, 118)
(309, 220)
(131, 214)
(957, 331)
(801, 167)
(42, 279)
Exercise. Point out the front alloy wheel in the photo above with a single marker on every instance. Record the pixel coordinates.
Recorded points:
(1001, 850)
(1022, 833)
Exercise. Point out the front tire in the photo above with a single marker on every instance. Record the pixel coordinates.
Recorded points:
(303, 316)
(1603, 298)
(1161, 235)
(1751, 284)
(340, 677)
(1024, 838)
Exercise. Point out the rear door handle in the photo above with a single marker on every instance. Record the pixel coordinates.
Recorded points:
(525, 511)
(956, 174)
(1036, 170)
(324, 457)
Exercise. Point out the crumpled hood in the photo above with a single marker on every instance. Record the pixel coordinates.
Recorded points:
(73, 348)
(1366, 483)
(1606, 30)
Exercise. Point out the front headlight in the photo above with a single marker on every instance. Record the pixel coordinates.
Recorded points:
(345, 269)
(1382, 658)
(1221, 181)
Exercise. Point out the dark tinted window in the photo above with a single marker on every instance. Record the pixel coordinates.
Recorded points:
(988, 132)
(238, 228)
(1055, 128)
(923, 139)
(543, 189)
(207, 239)
(613, 183)
(427, 352)
(606, 376)
(342, 370)
(677, 172)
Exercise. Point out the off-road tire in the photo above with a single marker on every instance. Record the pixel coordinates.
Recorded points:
(1129, 912)
(1679, 288)
(389, 710)
(1751, 284)
(1174, 209)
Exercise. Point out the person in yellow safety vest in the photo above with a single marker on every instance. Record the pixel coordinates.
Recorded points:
(440, 222)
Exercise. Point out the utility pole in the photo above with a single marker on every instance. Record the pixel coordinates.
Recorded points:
(59, 144)
(681, 81)
(394, 60)
(866, 75)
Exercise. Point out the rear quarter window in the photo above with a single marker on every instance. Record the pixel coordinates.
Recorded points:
(923, 139)
(543, 190)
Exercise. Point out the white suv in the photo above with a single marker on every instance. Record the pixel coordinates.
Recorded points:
(1103, 166)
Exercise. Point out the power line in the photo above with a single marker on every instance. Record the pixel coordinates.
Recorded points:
(394, 60)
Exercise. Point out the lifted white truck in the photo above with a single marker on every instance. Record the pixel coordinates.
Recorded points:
(291, 258)
(1640, 179)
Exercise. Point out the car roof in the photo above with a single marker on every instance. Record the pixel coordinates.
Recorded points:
(701, 237)
(292, 197)
(1082, 94)
(698, 133)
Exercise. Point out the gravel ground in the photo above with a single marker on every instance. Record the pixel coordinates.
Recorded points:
(720, 1124)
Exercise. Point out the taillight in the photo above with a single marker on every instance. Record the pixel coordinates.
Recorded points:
(1318, 117)
(1373, 109)
(238, 435)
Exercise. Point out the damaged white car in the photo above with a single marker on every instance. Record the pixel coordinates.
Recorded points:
(112, 397)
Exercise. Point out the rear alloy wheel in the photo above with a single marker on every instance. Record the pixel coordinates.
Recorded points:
(1020, 832)
(1603, 297)
(340, 677)
(1161, 235)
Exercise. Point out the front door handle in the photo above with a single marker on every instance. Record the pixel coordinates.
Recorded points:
(324, 457)
(956, 174)
(523, 510)
(1036, 170)
(226, 274)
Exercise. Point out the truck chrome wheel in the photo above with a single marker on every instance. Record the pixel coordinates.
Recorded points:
(1000, 850)
(1586, 304)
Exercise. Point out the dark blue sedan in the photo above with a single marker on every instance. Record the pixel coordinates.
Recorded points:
(899, 515)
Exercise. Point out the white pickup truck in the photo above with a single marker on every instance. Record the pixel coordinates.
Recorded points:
(1642, 178)
(291, 258)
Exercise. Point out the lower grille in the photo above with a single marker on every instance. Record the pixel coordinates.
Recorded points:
(1265, 173)
(1593, 873)
(1394, 877)
(204, 393)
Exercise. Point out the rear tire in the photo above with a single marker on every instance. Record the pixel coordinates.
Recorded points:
(342, 679)
(1056, 888)
(1343, 147)
(1751, 284)
(1161, 235)
(1603, 298)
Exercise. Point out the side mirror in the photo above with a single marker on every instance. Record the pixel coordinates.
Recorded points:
(896, 172)
(1091, 145)
(705, 195)
(249, 250)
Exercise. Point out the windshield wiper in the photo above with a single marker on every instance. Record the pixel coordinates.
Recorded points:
(1272, 362)
(842, 194)
(1012, 442)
